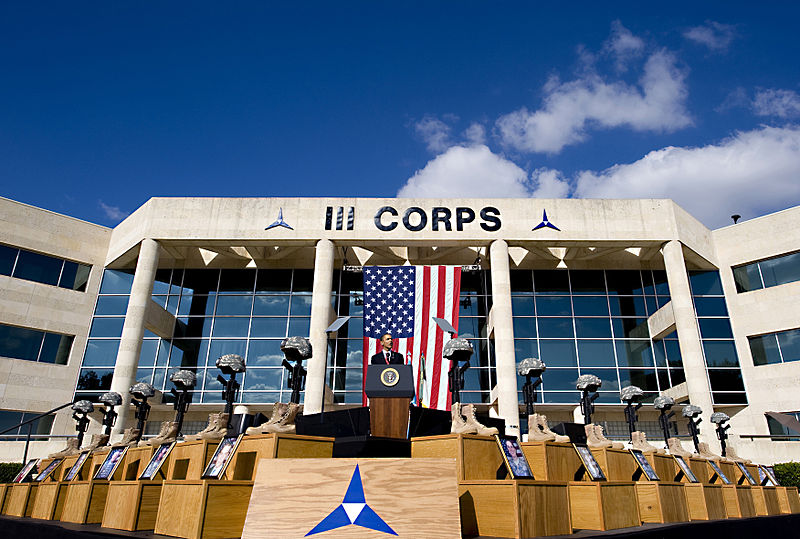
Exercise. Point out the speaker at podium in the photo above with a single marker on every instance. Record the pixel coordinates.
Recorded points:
(390, 389)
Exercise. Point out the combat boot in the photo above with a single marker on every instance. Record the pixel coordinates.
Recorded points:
(278, 410)
(535, 432)
(675, 448)
(468, 411)
(545, 428)
(457, 424)
(98, 441)
(285, 424)
(219, 428)
(71, 449)
(639, 441)
(209, 426)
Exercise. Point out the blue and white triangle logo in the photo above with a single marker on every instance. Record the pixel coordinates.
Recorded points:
(353, 510)
(545, 223)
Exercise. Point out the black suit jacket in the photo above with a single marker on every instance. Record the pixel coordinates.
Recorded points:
(395, 358)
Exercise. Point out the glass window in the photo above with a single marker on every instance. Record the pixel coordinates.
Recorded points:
(590, 306)
(661, 284)
(673, 353)
(20, 343)
(259, 379)
(705, 283)
(551, 281)
(559, 379)
(677, 376)
(588, 328)
(301, 305)
(790, 344)
(710, 306)
(107, 327)
(765, 349)
(720, 354)
(144, 376)
(277, 281)
(39, 268)
(747, 278)
(221, 347)
(95, 379)
(101, 353)
(475, 306)
(659, 354)
(8, 256)
(625, 283)
(237, 281)
(147, 354)
(558, 353)
(161, 282)
(200, 281)
(630, 328)
(555, 327)
(554, 306)
(524, 348)
(715, 328)
(607, 376)
(627, 306)
(265, 353)
(299, 327)
(633, 353)
(117, 282)
(588, 282)
(725, 380)
(193, 327)
(596, 353)
(520, 306)
(644, 378)
(234, 305)
(74, 276)
(56, 348)
(777, 428)
(231, 327)
(187, 352)
(196, 305)
(524, 327)
(111, 305)
(268, 327)
(729, 398)
(776, 271)
(521, 281)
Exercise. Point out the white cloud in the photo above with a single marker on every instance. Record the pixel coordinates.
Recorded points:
(549, 183)
(113, 212)
(623, 45)
(571, 108)
(475, 134)
(714, 35)
(750, 173)
(472, 171)
(780, 103)
(435, 133)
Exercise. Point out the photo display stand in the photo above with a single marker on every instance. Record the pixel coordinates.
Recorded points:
(133, 501)
(704, 501)
(745, 475)
(86, 498)
(685, 470)
(516, 464)
(645, 468)
(765, 498)
(51, 492)
(21, 492)
(660, 500)
(738, 500)
(75, 470)
(191, 506)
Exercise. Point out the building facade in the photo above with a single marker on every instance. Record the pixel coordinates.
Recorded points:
(637, 292)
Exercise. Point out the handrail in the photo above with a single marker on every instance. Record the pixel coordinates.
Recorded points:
(36, 417)
(776, 437)
(29, 422)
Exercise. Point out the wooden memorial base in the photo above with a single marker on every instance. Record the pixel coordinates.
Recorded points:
(552, 461)
(788, 499)
(514, 508)
(20, 498)
(4, 488)
(477, 457)
(132, 504)
(704, 502)
(193, 508)
(664, 465)
(51, 492)
(85, 501)
(738, 501)
(661, 502)
(203, 509)
(765, 500)
(617, 464)
(189, 459)
(701, 469)
(603, 506)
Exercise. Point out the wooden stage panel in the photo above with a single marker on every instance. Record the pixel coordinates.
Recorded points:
(617, 464)
(477, 457)
(20, 498)
(662, 502)
(552, 461)
(603, 506)
(281, 486)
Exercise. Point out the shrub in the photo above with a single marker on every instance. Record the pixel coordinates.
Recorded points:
(788, 473)
(9, 470)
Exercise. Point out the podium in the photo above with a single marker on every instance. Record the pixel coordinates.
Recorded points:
(390, 389)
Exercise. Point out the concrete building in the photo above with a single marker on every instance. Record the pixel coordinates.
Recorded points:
(635, 291)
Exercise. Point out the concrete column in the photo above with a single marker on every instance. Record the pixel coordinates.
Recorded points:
(689, 339)
(133, 329)
(321, 314)
(505, 361)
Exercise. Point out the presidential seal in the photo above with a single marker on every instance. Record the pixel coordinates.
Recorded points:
(390, 377)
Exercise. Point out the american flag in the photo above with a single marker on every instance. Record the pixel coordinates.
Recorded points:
(403, 300)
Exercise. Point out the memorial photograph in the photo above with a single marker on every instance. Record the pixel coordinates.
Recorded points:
(718, 471)
(590, 463)
(25, 472)
(55, 463)
(746, 473)
(516, 463)
(157, 461)
(109, 466)
(644, 465)
(685, 469)
(222, 456)
(76, 468)
(770, 473)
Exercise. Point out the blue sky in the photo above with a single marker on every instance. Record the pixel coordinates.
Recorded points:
(103, 106)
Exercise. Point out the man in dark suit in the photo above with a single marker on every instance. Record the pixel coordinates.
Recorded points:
(386, 356)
